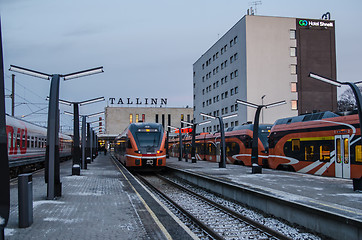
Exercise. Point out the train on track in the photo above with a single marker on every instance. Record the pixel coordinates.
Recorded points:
(141, 146)
(322, 143)
(26, 143)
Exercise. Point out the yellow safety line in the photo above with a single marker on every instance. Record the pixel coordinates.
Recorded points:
(160, 225)
(338, 208)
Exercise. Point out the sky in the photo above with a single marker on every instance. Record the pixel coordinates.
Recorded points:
(147, 48)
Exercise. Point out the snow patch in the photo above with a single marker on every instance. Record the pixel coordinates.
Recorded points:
(38, 203)
(9, 231)
(60, 220)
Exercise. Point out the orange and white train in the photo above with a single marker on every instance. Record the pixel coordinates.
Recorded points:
(141, 146)
(323, 143)
(26, 143)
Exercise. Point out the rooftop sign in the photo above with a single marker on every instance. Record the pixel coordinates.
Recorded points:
(138, 101)
(314, 23)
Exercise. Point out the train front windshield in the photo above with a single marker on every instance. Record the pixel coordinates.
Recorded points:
(148, 137)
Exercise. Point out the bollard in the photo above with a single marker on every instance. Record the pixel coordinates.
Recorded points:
(76, 169)
(89, 160)
(25, 199)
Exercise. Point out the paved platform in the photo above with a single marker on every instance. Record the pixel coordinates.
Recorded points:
(102, 203)
(334, 195)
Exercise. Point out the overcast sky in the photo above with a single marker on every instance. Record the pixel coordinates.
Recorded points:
(147, 48)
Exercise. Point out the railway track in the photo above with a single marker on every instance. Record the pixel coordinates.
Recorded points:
(208, 220)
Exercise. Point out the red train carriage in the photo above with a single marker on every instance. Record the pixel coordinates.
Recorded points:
(321, 143)
(141, 146)
(26, 143)
(238, 143)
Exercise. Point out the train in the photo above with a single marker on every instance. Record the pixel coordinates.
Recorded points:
(322, 143)
(141, 146)
(26, 144)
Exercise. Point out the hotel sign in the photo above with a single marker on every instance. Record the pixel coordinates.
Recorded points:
(138, 101)
(315, 23)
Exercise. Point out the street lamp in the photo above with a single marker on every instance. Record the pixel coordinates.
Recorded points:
(76, 148)
(52, 173)
(254, 152)
(357, 182)
(222, 163)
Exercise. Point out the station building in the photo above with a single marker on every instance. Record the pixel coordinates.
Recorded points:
(118, 118)
(263, 60)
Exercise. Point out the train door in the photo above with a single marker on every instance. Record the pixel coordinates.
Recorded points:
(342, 156)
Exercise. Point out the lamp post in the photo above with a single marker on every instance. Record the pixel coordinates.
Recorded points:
(262, 112)
(357, 182)
(52, 173)
(4, 161)
(85, 139)
(76, 143)
(254, 151)
(222, 163)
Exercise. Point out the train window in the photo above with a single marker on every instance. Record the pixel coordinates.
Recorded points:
(295, 145)
(338, 149)
(28, 142)
(36, 142)
(346, 151)
(232, 148)
(32, 142)
(309, 153)
(18, 140)
(358, 153)
(324, 153)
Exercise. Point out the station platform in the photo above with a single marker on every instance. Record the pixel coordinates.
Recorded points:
(334, 195)
(104, 202)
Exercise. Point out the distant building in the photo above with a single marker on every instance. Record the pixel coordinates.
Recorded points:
(118, 118)
(269, 56)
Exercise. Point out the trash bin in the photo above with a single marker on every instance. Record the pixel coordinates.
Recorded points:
(25, 200)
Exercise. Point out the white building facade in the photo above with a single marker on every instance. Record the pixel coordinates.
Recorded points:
(255, 61)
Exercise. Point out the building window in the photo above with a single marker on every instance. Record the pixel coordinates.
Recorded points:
(294, 104)
(292, 33)
(130, 118)
(235, 56)
(203, 79)
(143, 118)
(156, 118)
(232, 91)
(163, 120)
(169, 119)
(231, 43)
(203, 66)
(231, 59)
(293, 86)
(236, 73)
(293, 51)
(236, 90)
(235, 39)
(293, 69)
(232, 108)
(203, 91)
(137, 118)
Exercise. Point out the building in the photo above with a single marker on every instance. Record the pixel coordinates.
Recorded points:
(264, 60)
(118, 118)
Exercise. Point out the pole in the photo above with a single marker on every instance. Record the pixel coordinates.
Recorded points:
(167, 134)
(52, 157)
(88, 151)
(222, 163)
(180, 146)
(193, 147)
(4, 161)
(13, 95)
(254, 151)
(76, 149)
(84, 142)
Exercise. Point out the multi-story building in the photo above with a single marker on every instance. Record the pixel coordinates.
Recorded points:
(118, 118)
(264, 60)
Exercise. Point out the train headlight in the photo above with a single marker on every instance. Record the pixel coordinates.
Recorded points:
(138, 151)
(158, 152)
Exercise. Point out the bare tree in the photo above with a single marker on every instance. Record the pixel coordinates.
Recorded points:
(347, 101)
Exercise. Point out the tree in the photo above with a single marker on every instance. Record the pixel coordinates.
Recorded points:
(347, 101)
